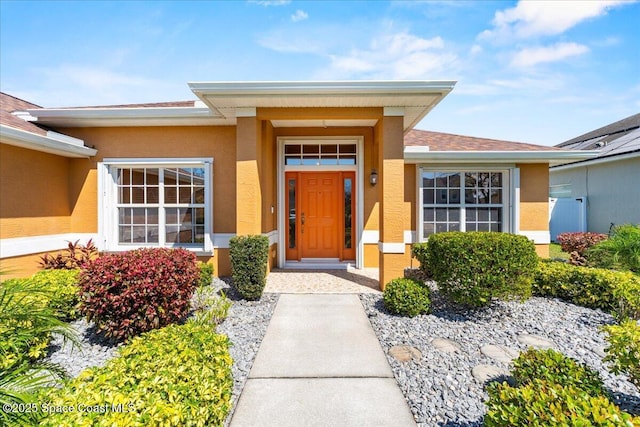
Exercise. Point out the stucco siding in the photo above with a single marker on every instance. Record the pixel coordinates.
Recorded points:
(611, 188)
(34, 189)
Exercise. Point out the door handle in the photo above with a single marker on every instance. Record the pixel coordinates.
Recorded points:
(302, 221)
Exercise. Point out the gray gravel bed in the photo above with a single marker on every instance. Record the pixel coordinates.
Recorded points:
(440, 388)
(245, 326)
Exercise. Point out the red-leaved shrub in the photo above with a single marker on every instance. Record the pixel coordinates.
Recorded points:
(132, 292)
(579, 242)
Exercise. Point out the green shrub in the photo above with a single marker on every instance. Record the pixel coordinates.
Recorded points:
(209, 308)
(406, 297)
(474, 267)
(206, 273)
(132, 292)
(623, 351)
(249, 256)
(544, 404)
(613, 291)
(621, 251)
(179, 375)
(63, 289)
(420, 251)
(554, 367)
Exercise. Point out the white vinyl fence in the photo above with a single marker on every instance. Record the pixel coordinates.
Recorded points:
(567, 215)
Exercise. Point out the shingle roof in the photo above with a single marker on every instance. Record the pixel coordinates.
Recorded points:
(9, 104)
(437, 141)
(146, 105)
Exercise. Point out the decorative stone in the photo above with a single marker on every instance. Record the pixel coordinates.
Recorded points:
(405, 353)
(599, 350)
(484, 373)
(499, 352)
(445, 345)
(536, 341)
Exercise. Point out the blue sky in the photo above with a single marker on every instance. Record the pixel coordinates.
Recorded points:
(531, 71)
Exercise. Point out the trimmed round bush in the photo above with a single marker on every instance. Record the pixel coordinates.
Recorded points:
(132, 292)
(406, 297)
(179, 375)
(554, 367)
(545, 404)
(249, 256)
(472, 268)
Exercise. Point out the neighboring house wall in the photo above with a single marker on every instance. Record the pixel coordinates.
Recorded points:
(612, 190)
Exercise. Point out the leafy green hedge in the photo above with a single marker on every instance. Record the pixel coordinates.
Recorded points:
(420, 251)
(623, 351)
(63, 288)
(552, 390)
(544, 404)
(613, 291)
(179, 375)
(474, 267)
(552, 366)
(206, 273)
(249, 256)
(406, 297)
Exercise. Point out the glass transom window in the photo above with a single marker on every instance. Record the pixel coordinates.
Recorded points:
(462, 201)
(319, 154)
(158, 205)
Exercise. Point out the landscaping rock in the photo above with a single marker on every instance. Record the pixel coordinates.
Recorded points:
(536, 341)
(405, 353)
(486, 373)
(445, 345)
(499, 352)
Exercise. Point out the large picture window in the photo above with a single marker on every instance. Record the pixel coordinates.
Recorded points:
(463, 201)
(157, 204)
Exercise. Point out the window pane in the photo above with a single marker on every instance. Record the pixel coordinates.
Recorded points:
(124, 234)
(170, 177)
(471, 214)
(483, 226)
(139, 234)
(311, 149)
(454, 180)
(441, 227)
(428, 179)
(294, 161)
(428, 196)
(199, 194)
(171, 195)
(454, 197)
(429, 214)
(454, 226)
(152, 176)
(470, 196)
(153, 195)
(347, 160)
(185, 195)
(441, 196)
(292, 213)
(152, 235)
(496, 226)
(329, 160)
(292, 149)
(441, 214)
(483, 214)
(139, 216)
(496, 196)
(483, 197)
(347, 212)
(137, 176)
(330, 149)
(137, 194)
(310, 161)
(470, 179)
(454, 214)
(172, 215)
(428, 229)
(152, 216)
(347, 148)
(483, 180)
(198, 234)
(496, 179)
(171, 235)
(441, 180)
(199, 216)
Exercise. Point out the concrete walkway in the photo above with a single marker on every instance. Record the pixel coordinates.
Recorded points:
(320, 364)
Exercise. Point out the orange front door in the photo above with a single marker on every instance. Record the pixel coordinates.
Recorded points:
(320, 210)
(319, 215)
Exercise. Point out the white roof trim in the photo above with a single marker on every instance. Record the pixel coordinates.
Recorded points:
(46, 144)
(415, 98)
(591, 162)
(128, 116)
(418, 154)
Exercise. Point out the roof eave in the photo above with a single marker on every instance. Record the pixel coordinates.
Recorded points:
(413, 154)
(32, 141)
(597, 160)
(142, 116)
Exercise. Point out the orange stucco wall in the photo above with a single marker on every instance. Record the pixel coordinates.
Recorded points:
(534, 201)
(35, 193)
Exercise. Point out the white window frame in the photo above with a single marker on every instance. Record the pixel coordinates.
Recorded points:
(509, 211)
(108, 198)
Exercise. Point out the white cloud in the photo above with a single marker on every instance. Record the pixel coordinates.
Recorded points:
(300, 15)
(540, 18)
(475, 49)
(393, 56)
(531, 56)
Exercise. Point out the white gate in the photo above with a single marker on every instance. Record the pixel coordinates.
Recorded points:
(567, 215)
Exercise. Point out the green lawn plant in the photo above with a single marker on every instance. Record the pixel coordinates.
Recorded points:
(406, 297)
(26, 326)
(206, 273)
(210, 308)
(179, 375)
(623, 351)
(621, 251)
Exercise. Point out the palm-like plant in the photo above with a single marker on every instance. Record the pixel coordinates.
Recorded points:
(26, 325)
(621, 251)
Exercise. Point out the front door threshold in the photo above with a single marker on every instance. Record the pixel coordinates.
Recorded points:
(319, 264)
